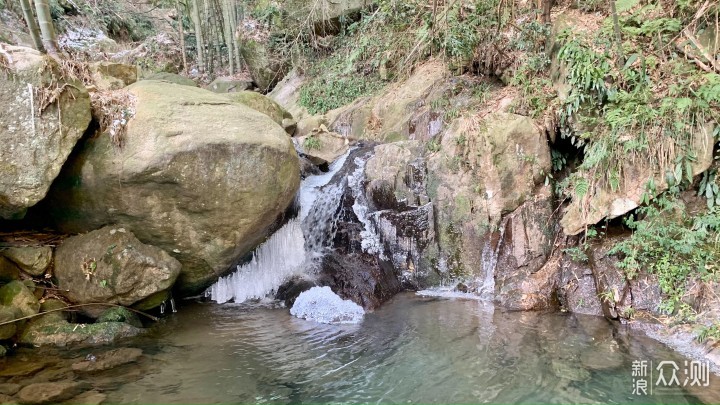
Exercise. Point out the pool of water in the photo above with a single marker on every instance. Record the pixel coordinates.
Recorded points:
(412, 350)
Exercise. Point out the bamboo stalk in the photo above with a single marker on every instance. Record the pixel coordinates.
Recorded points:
(200, 44)
(49, 39)
(32, 24)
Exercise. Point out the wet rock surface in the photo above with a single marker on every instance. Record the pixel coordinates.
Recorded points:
(44, 393)
(107, 360)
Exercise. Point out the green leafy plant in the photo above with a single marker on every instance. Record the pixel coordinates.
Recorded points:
(312, 142)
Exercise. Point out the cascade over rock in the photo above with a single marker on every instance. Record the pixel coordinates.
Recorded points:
(198, 176)
(35, 145)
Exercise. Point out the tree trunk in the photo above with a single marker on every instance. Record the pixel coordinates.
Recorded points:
(32, 24)
(182, 34)
(228, 35)
(47, 29)
(200, 44)
(618, 35)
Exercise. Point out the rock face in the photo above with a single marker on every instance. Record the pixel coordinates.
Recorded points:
(483, 168)
(171, 78)
(401, 112)
(24, 131)
(32, 260)
(111, 266)
(199, 176)
(608, 203)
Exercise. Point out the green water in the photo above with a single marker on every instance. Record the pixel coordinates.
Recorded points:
(412, 350)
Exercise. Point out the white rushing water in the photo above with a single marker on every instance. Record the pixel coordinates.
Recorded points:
(320, 304)
(284, 254)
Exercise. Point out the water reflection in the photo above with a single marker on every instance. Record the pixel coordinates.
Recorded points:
(411, 350)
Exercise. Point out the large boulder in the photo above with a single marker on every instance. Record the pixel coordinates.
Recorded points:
(325, 15)
(111, 266)
(199, 176)
(35, 143)
(171, 78)
(229, 85)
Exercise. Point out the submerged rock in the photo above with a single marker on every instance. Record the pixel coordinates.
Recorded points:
(199, 176)
(51, 392)
(32, 260)
(47, 330)
(322, 305)
(108, 360)
(35, 144)
(112, 266)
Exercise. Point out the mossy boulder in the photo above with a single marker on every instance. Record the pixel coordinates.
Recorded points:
(120, 314)
(33, 260)
(199, 176)
(112, 266)
(7, 314)
(17, 295)
(35, 144)
(261, 103)
(45, 330)
(8, 270)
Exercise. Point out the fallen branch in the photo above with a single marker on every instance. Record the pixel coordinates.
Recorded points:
(154, 318)
(702, 50)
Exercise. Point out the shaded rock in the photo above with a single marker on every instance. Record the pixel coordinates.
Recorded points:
(577, 292)
(9, 388)
(524, 277)
(16, 294)
(7, 314)
(24, 131)
(287, 94)
(290, 290)
(120, 314)
(8, 270)
(171, 78)
(112, 75)
(359, 278)
(112, 266)
(46, 330)
(289, 125)
(108, 360)
(22, 368)
(608, 203)
(323, 145)
(199, 176)
(265, 65)
(43, 393)
(88, 398)
(33, 260)
(7, 399)
(261, 103)
(228, 85)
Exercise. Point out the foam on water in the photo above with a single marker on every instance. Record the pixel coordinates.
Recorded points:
(320, 304)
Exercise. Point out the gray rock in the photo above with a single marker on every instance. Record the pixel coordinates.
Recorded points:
(228, 85)
(7, 314)
(16, 294)
(24, 131)
(32, 260)
(112, 266)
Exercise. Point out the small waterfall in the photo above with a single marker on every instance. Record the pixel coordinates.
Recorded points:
(489, 259)
(286, 252)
